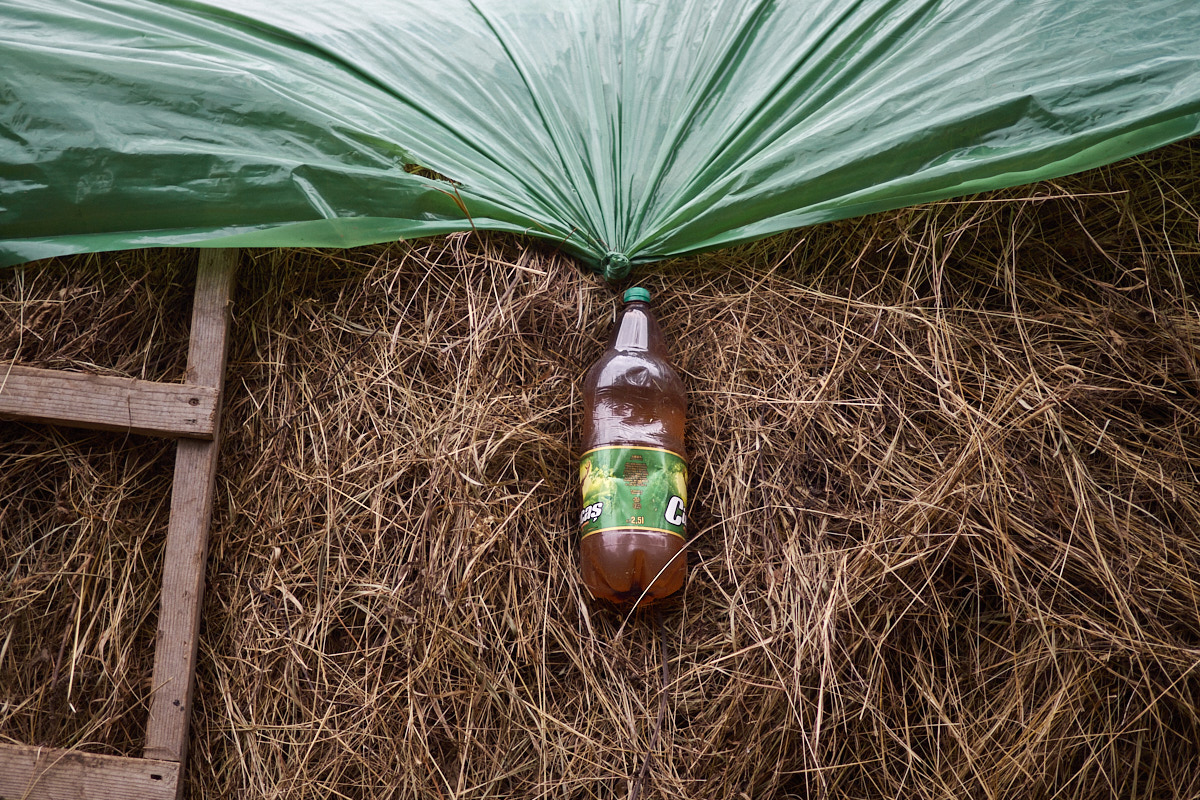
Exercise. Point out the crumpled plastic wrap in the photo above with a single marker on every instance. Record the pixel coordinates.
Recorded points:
(625, 131)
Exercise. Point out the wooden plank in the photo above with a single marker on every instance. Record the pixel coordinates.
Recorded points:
(107, 403)
(187, 532)
(41, 773)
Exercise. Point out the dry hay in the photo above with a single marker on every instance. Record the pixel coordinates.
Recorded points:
(945, 476)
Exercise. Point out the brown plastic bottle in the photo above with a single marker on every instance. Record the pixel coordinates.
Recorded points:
(633, 471)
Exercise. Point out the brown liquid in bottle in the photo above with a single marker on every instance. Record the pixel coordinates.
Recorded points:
(632, 396)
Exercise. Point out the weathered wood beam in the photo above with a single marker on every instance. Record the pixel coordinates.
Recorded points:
(107, 403)
(191, 510)
(42, 773)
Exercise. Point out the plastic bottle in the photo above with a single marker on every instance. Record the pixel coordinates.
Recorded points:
(633, 471)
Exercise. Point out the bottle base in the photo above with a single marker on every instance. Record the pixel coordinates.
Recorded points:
(628, 567)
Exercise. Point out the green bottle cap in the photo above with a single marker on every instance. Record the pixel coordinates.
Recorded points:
(637, 293)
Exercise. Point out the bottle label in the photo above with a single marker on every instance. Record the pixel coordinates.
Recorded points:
(633, 488)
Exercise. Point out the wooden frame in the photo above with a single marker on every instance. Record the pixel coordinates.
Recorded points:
(190, 411)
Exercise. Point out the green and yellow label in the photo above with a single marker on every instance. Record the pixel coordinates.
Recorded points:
(633, 488)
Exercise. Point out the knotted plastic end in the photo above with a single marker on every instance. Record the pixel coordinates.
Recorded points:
(615, 266)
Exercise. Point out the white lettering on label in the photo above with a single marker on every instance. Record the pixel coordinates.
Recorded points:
(675, 511)
(590, 513)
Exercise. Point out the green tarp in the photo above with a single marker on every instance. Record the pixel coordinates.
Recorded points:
(619, 129)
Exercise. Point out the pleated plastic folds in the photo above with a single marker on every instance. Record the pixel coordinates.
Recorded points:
(625, 131)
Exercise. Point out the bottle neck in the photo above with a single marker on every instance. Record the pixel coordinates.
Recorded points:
(637, 330)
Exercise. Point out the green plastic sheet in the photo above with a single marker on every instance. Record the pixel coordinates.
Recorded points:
(625, 131)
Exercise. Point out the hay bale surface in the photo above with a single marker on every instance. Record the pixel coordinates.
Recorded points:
(944, 469)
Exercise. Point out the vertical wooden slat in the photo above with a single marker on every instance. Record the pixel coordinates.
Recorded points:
(191, 511)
